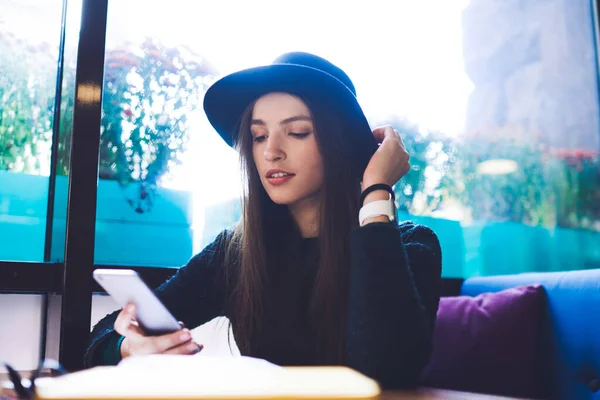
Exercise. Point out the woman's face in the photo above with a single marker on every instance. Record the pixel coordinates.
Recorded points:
(285, 150)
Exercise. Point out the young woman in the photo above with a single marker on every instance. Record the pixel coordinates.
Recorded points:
(318, 271)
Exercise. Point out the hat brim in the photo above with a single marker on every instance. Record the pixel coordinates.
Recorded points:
(227, 99)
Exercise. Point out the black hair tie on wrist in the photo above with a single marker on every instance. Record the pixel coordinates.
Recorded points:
(377, 186)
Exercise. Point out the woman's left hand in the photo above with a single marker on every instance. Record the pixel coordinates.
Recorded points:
(390, 161)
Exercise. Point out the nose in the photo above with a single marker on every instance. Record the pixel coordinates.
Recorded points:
(274, 150)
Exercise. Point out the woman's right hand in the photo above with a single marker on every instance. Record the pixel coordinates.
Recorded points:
(136, 343)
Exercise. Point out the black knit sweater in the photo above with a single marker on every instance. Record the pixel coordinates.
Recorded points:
(394, 291)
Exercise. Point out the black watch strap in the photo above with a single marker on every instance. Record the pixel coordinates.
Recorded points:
(377, 186)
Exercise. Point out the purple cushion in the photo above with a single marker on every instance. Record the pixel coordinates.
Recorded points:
(487, 343)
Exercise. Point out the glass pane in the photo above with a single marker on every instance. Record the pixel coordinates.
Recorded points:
(497, 103)
(29, 45)
(67, 101)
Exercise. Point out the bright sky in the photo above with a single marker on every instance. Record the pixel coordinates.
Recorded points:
(404, 56)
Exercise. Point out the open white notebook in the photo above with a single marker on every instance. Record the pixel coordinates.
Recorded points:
(204, 377)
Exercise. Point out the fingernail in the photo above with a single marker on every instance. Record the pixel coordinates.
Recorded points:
(200, 347)
(130, 307)
(185, 336)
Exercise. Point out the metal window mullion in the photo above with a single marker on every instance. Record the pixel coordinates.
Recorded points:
(53, 171)
(55, 136)
(83, 176)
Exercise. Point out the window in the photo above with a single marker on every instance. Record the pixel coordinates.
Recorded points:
(497, 103)
(30, 45)
(502, 122)
(29, 48)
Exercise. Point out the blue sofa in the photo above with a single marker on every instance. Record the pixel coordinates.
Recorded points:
(569, 348)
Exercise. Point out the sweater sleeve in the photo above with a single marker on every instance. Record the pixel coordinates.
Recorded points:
(394, 294)
(195, 294)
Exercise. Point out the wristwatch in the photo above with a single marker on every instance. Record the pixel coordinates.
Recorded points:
(377, 208)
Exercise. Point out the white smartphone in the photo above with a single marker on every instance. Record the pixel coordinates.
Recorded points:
(126, 286)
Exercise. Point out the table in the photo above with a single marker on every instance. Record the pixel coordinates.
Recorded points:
(438, 394)
(417, 394)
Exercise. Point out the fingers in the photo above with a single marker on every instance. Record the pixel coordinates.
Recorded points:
(405, 168)
(398, 136)
(382, 132)
(387, 132)
(401, 141)
(171, 340)
(179, 342)
(403, 156)
(190, 347)
(391, 160)
(140, 345)
(123, 324)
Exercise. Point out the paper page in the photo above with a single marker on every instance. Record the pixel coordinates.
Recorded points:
(179, 377)
(217, 338)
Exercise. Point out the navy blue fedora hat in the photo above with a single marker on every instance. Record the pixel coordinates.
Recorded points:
(301, 74)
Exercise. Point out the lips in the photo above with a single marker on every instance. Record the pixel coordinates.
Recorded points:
(277, 177)
(278, 173)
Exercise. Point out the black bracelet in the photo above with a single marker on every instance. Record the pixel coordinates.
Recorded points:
(377, 186)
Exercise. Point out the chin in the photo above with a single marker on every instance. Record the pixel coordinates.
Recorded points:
(289, 197)
(292, 194)
(281, 199)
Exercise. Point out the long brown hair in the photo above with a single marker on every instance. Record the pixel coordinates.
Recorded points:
(267, 234)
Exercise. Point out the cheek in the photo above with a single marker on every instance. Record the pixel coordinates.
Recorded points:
(315, 162)
(320, 173)
(256, 159)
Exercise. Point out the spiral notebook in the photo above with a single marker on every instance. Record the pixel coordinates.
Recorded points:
(205, 377)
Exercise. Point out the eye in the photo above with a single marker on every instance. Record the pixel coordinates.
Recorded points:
(259, 139)
(299, 135)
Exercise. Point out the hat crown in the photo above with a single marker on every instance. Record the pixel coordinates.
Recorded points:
(316, 62)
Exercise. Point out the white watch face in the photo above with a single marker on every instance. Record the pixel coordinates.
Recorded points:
(377, 209)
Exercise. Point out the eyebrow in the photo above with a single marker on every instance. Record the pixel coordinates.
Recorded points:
(283, 122)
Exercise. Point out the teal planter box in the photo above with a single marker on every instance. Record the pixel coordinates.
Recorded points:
(161, 237)
(23, 202)
(496, 248)
(487, 248)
